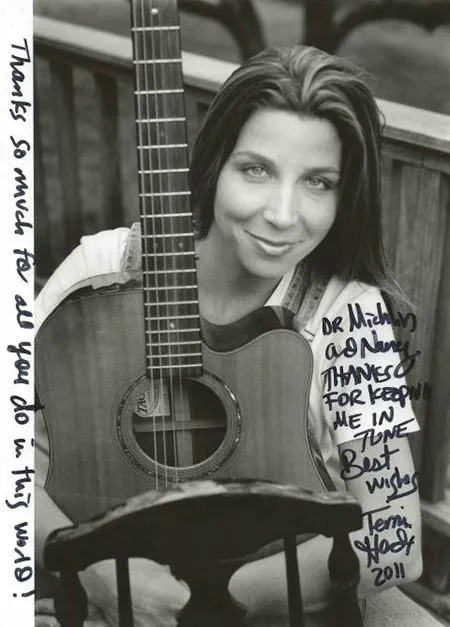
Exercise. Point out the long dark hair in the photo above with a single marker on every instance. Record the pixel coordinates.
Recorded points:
(310, 82)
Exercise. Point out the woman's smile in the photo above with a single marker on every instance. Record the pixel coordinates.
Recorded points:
(272, 248)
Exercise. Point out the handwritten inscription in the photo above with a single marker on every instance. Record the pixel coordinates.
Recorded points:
(359, 318)
(364, 389)
(400, 484)
(23, 571)
(21, 364)
(20, 64)
(24, 262)
(353, 466)
(21, 496)
(371, 437)
(353, 381)
(18, 500)
(394, 485)
(21, 150)
(375, 544)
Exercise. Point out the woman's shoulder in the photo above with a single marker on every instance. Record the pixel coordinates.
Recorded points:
(343, 300)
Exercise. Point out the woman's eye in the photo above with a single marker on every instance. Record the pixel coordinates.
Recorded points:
(256, 171)
(318, 183)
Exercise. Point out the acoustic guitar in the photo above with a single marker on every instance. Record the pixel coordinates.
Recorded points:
(132, 397)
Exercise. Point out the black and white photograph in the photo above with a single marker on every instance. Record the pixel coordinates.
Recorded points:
(227, 347)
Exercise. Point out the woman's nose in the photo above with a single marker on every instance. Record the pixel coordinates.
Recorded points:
(282, 209)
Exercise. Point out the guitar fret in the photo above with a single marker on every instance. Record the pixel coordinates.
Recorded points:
(159, 331)
(158, 91)
(183, 193)
(168, 215)
(156, 120)
(198, 365)
(168, 170)
(168, 235)
(177, 426)
(174, 303)
(154, 28)
(160, 272)
(184, 253)
(152, 147)
(173, 355)
(173, 287)
(187, 317)
(150, 61)
(185, 343)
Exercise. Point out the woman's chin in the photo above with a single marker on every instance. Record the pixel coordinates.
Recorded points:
(268, 271)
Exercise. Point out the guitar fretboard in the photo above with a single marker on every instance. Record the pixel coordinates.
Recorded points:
(172, 321)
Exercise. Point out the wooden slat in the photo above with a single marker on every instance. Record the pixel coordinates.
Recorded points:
(42, 227)
(66, 143)
(421, 215)
(437, 428)
(416, 127)
(423, 158)
(391, 173)
(107, 94)
(437, 515)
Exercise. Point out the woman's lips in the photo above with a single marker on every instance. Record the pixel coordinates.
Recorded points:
(271, 247)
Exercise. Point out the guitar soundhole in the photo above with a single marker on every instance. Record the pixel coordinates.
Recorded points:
(180, 424)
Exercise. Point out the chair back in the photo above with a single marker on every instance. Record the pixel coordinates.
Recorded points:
(204, 531)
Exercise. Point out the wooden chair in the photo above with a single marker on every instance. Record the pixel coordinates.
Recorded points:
(205, 530)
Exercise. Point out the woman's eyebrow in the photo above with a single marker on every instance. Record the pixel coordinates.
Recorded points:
(324, 170)
(251, 154)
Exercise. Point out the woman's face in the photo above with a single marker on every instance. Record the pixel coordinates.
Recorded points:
(276, 195)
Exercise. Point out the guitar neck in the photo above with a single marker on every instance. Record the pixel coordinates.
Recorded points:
(172, 321)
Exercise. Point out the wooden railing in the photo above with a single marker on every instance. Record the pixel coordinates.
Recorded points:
(85, 182)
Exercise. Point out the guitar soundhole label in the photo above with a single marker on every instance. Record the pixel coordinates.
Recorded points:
(182, 424)
(178, 429)
(153, 402)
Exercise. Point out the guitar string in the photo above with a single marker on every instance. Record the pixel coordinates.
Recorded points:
(160, 134)
(140, 141)
(170, 49)
(146, 164)
(166, 49)
(140, 158)
(191, 277)
(157, 202)
(175, 70)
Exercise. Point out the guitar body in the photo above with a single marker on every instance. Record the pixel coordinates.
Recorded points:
(115, 433)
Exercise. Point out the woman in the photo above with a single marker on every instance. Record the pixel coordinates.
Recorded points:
(285, 179)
